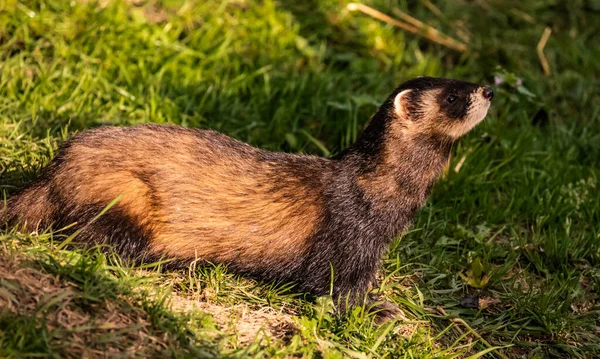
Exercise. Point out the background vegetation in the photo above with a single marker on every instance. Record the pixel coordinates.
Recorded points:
(506, 254)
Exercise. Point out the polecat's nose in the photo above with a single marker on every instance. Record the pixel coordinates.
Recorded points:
(488, 93)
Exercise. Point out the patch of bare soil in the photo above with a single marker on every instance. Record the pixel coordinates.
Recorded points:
(248, 324)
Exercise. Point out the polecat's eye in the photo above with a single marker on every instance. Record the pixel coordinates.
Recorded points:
(451, 98)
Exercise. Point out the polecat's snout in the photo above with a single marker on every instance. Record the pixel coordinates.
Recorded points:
(478, 105)
(488, 93)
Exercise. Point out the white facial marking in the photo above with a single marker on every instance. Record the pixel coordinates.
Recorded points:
(475, 114)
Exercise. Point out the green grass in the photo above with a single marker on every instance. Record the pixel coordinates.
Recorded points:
(519, 220)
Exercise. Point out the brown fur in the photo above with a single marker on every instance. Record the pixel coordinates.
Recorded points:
(194, 194)
(223, 208)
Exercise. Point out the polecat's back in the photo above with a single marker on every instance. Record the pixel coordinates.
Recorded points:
(184, 193)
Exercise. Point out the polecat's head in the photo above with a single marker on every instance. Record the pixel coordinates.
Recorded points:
(437, 106)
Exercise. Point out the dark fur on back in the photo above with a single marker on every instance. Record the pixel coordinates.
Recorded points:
(190, 194)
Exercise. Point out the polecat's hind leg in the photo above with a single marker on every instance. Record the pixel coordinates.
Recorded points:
(116, 230)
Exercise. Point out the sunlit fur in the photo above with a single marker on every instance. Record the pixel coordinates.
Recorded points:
(196, 194)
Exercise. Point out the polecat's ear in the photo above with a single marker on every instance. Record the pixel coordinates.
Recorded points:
(401, 104)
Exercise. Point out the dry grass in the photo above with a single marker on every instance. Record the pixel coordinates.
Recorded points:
(247, 324)
(75, 326)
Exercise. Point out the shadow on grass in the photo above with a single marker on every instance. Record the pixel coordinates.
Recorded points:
(72, 307)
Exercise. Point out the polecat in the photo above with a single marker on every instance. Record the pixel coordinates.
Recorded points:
(198, 194)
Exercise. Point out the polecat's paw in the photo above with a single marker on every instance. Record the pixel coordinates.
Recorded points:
(385, 311)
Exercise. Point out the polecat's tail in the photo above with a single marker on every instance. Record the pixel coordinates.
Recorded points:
(29, 208)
